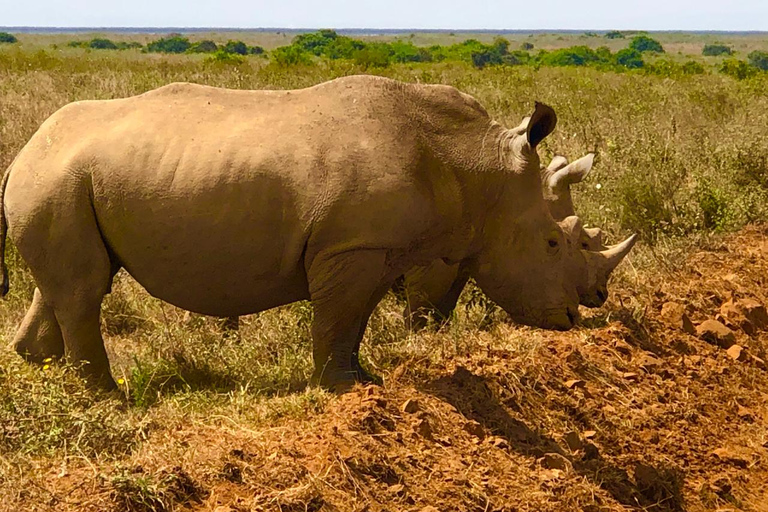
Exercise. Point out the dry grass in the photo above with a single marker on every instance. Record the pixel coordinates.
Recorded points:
(206, 420)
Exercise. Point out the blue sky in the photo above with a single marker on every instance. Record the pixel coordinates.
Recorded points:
(449, 14)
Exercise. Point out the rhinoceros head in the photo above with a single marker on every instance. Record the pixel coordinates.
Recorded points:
(524, 262)
(589, 269)
(533, 267)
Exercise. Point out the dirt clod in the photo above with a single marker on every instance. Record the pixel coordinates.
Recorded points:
(410, 406)
(715, 332)
(556, 461)
(674, 315)
(573, 441)
(737, 352)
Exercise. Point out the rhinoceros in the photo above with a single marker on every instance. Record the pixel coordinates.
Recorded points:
(229, 202)
(434, 289)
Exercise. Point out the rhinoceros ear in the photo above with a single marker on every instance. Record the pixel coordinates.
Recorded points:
(542, 123)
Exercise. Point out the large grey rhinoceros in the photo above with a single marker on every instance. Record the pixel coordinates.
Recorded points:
(230, 202)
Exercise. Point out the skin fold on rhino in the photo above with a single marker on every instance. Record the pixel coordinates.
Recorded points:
(230, 202)
(434, 289)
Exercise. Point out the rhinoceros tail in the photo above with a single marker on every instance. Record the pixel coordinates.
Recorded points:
(5, 286)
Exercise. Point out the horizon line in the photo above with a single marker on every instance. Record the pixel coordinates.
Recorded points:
(54, 29)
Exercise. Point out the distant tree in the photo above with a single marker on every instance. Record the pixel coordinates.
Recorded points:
(590, 34)
(758, 59)
(629, 58)
(713, 50)
(646, 44)
(526, 46)
(614, 34)
(238, 47)
(102, 44)
(172, 44)
(409, 52)
(204, 46)
(77, 44)
(5, 37)
(255, 50)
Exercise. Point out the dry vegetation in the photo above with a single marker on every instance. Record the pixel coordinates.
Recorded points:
(627, 412)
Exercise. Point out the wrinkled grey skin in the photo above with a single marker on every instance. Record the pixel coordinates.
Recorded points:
(227, 202)
(434, 289)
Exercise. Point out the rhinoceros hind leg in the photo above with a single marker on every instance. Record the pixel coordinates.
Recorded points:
(73, 272)
(39, 336)
(344, 289)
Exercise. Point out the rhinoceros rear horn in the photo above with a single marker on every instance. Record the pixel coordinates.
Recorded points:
(542, 123)
(573, 172)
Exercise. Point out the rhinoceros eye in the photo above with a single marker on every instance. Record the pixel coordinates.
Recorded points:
(553, 243)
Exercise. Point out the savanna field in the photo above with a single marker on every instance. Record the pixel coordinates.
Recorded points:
(637, 408)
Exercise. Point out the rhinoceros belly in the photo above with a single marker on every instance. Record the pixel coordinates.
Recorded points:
(218, 248)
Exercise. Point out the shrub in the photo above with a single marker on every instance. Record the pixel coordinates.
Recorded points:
(573, 56)
(5, 37)
(758, 59)
(315, 42)
(409, 52)
(205, 46)
(713, 50)
(129, 45)
(526, 46)
(629, 58)
(290, 56)
(375, 55)
(102, 44)
(255, 50)
(170, 44)
(737, 69)
(224, 57)
(646, 44)
(77, 44)
(692, 68)
(238, 47)
(614, 34)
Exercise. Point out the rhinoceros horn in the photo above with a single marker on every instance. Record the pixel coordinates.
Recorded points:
(613, 255)
(572, 173)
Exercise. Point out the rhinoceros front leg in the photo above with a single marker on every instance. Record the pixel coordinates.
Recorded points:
(344, 289)
(39, 335)
(433, 289)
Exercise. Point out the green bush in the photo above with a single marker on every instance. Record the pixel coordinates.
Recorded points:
(170, 44)
(758, 59)
(223, 57)
(290, 56)
(315, 42)
(629, 58)
(5, 37)
(573, 56)
(374, 55)
(129, 45)
(713, 50)
(614, 34)
(526, 46)
(77, 44)
(204, 46)
(692, 67)
(102, 44)
(646, 44)
(237, 47)
(255, 50)
(737, 69)
(409, 52)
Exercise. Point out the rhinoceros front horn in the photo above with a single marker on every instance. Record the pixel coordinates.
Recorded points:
(614, 254)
